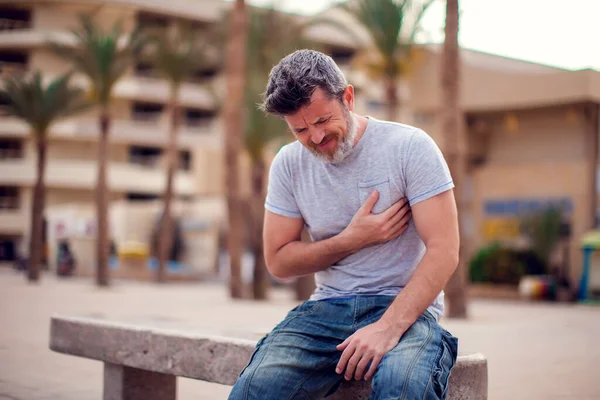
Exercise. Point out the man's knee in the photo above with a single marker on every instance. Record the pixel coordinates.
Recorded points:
(253, 384)
(268, 382)
(270, 374)
(419, 367)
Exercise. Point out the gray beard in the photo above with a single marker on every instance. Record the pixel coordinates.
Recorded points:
(345, 146)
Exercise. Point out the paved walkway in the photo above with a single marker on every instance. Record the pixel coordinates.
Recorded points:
(535, 351)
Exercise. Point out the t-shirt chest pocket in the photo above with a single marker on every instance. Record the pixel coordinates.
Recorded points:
(382, 186)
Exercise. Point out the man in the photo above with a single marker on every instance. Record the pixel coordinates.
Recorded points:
(350, 181)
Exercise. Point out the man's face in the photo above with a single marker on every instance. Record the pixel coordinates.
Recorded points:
(325, 126)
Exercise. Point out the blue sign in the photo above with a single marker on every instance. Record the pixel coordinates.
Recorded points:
(521, 207)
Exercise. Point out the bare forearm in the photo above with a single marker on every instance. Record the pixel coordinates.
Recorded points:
(432, 274)
(299, 258)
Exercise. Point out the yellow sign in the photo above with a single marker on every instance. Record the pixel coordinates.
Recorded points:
(501, 228)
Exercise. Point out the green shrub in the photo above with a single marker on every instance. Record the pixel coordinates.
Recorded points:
(497, 263)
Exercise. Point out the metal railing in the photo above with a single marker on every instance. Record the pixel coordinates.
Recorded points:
(9, 203)
(150, 116)
(11, 154)
(146, 161)
(10, 68)
(7, 24)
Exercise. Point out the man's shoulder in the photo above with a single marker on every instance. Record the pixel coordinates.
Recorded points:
(395, 133)
(289, 152)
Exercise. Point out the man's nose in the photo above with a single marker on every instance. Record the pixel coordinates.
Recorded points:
(317, 136)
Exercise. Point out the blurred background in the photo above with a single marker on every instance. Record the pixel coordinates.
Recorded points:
(132, 150)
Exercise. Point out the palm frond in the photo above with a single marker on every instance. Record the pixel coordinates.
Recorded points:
(40, 105)
(103, 57)
(393, 26)
(179, 52)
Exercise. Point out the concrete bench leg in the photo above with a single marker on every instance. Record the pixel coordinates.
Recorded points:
(125, 383)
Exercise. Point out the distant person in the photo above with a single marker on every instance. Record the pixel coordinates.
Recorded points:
(354, 182)
(65, 260)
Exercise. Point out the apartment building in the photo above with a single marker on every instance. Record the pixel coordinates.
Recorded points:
(532, 129)
(139, 129)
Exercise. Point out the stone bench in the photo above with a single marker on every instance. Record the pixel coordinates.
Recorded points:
(142, 363)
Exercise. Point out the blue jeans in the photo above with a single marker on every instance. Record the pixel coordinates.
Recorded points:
(297, 359)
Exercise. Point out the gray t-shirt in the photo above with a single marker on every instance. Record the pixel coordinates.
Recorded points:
(396, 160)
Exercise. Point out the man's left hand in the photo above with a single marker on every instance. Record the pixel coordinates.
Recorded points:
(367, 345)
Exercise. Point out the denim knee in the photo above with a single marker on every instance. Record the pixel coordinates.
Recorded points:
(419, 366)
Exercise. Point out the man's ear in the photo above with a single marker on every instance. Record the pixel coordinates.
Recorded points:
(348, 97)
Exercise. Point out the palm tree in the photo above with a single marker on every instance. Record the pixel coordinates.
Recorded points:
(177, 54)
(268, 35)
(103, 58)
(271, 36)
(235, 71)
(40, 106)
(392, 26)
(454, 148)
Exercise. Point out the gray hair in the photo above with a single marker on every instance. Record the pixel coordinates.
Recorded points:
(293, 81)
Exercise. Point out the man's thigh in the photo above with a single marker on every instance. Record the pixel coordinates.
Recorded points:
(419, 366)
(297, 359)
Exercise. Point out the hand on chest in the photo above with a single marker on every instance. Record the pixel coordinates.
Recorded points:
(328, 205)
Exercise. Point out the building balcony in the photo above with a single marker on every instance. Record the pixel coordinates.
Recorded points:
(11, 68)
(157, 90)
(13, 221)
(30, 38)
(8, 24)
(148, 133)
(75, 174)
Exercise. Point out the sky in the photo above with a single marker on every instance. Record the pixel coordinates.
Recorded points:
(560, 33)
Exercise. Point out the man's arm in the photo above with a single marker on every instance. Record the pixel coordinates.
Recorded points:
(287, 256)
(436, 221)
(437, 224)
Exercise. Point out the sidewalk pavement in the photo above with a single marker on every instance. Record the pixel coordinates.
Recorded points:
(535, 350)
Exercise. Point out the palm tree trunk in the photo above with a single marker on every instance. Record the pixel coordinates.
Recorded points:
(165, 237)
(37, 212)
(455, 146)
(304, 287)
(260, 282)
(235, 74)
(102, 204)
(392, 99)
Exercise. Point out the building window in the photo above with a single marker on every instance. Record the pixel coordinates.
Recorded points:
(141, 197)
(12, 62)
(205, 74)
(185, 160)
(9, 198)
(147, 20)
(12, 19)
(199, 118)
(375, 105)
(342, 55)
(142, 111)
(8, 249)
(146, 156)
(11, 149)
(3, 106)
(145, 69)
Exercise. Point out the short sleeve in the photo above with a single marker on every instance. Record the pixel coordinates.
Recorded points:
(280, 195)
(426, 171)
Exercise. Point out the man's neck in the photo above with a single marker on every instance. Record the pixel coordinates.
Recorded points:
(362, 126)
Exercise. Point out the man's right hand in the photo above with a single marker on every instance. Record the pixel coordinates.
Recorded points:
(367, 229)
